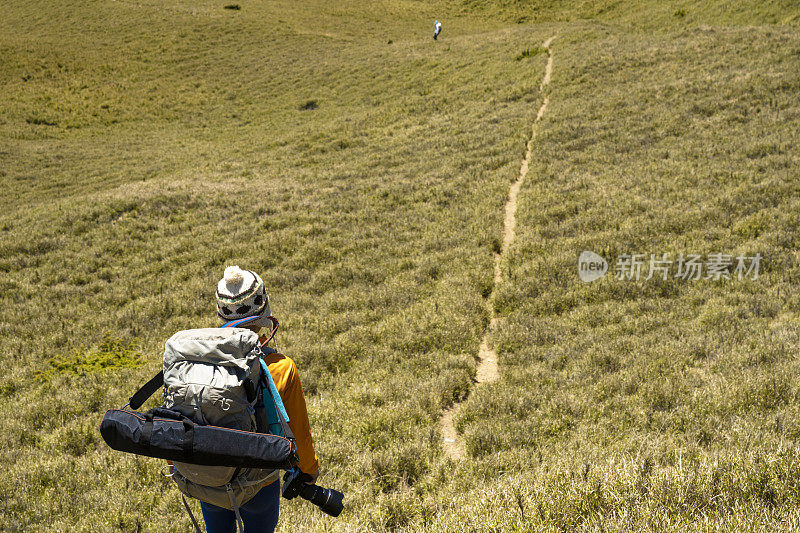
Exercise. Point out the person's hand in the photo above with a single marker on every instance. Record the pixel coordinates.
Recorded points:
(307, 478)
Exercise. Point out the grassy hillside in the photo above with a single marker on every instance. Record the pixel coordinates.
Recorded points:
(655, 403)
(362, 169)
(638, 15)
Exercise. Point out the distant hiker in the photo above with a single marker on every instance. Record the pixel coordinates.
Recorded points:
(241, 294)
(437, 29)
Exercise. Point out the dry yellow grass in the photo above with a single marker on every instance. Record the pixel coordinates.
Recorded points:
(144, 146)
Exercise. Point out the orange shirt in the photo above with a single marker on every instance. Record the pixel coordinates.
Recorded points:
(287, 381)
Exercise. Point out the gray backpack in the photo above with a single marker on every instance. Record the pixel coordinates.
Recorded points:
(215, 376)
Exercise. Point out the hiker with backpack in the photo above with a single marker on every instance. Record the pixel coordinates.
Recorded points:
(241, 294)
(233, 415)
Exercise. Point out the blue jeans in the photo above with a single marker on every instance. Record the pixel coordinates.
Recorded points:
(260, 514)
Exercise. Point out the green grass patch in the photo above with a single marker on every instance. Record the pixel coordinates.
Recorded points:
(110, 354)
(309, 105)
(40, 121)
(529, 52)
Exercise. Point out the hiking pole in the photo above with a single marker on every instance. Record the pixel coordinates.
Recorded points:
(328, 500)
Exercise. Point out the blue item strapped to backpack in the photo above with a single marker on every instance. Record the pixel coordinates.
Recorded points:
(273, 421)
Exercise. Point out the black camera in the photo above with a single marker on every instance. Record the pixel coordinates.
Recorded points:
(328, 500)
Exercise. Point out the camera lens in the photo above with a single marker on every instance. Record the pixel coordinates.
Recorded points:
(328, 500)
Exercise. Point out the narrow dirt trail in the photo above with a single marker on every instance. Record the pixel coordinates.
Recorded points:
(488, 370)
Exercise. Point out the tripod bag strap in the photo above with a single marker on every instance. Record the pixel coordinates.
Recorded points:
(147, 390)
